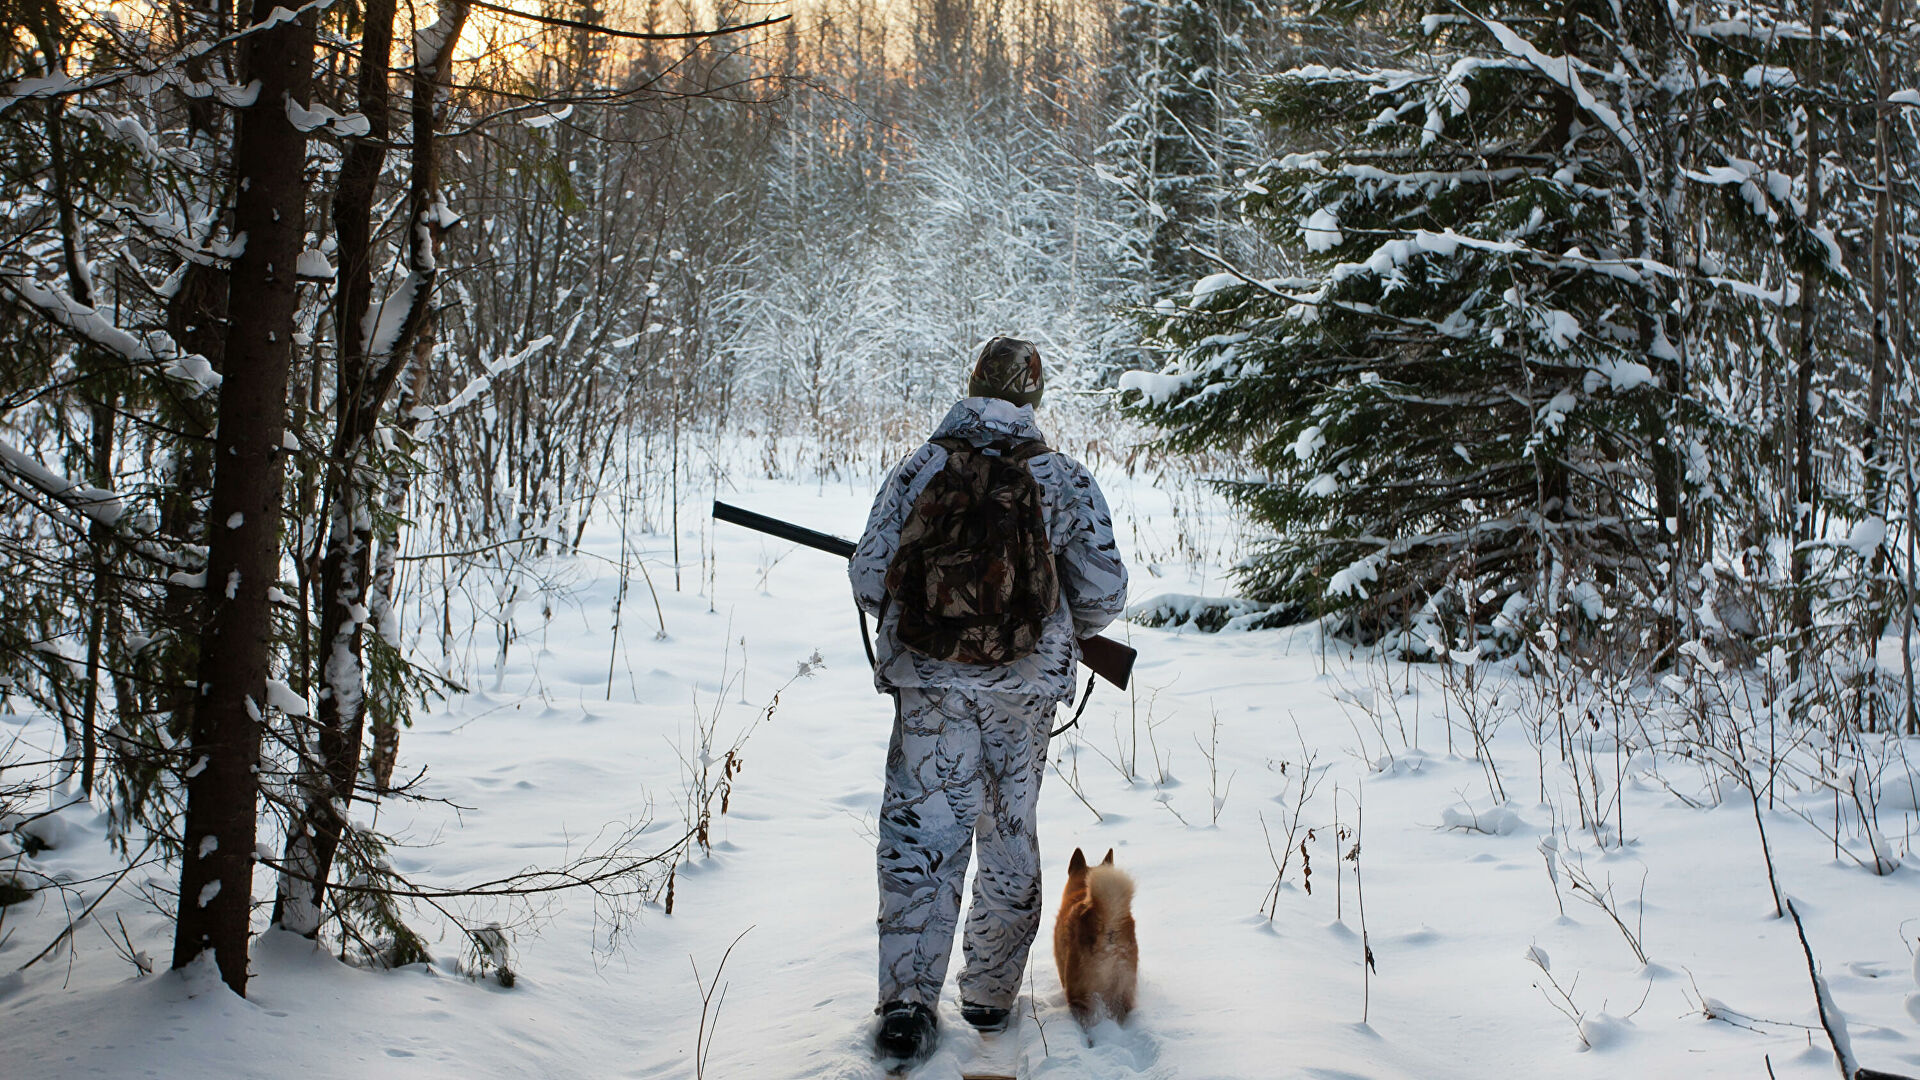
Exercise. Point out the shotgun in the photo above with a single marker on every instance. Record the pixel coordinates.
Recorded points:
(1106, 657)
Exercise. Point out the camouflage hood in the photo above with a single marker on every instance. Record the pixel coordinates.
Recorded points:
(981, 420)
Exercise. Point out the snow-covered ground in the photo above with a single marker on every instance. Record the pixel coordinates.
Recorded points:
(1465, 924)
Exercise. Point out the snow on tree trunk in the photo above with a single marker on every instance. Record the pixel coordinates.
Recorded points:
(375, 349)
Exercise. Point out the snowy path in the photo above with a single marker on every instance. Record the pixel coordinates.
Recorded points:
(545, 761)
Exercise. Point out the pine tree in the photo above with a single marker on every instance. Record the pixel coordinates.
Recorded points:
(1486, 404)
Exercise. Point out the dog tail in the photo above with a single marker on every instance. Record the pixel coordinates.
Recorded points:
(1110, 887)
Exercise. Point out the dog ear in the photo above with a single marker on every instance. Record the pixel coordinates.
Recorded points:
(1108, 861)
(1079, 863)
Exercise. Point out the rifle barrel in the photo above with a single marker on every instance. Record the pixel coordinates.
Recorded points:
(785, 530)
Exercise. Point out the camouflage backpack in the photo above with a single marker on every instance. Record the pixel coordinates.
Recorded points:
(973, 577)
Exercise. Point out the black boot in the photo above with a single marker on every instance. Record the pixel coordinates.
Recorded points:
(907, 1032)
(984, 1018)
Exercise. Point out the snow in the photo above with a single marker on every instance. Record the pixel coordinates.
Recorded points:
(51, 830)
(1351, 580)
(1562, 70)
(1497, 821)
(313, 266)
(1625, 376)
(480, 384)
(322, 118)
(1560, 327)
(1468, 906)
(1308, 442)
(1322, 230)
(1554, 414)
(430, 41)
(548, 119)
(380, 327)
(1154, 387)
(1867, 536)
(104, 507)
(1213, 283)
(196, 369)
(1760, 75)
(282, 697)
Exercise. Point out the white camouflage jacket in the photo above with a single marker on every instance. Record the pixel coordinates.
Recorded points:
(1093, 579)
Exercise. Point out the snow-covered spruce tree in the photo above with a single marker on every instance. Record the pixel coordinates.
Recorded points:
(1475, 410)
(109, 371)
(1180, 133)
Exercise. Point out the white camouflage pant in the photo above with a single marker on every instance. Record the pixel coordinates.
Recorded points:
(963, 770)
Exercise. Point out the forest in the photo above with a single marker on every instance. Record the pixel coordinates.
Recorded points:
(1567, 341)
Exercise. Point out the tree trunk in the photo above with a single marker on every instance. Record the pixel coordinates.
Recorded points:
(1801, 608)
(1873, 441)
(99, 541)
(222, 776)
(196, 317)
(371, 362)
(323, 807)
(384, 721)
(100, 415)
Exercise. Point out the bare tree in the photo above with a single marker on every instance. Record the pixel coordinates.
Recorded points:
(374, 346)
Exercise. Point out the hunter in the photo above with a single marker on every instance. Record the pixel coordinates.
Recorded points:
(987, 557)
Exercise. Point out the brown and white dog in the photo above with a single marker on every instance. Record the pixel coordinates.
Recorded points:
(1093, 942)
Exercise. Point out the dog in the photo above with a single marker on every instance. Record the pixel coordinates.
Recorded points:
(1093, 943)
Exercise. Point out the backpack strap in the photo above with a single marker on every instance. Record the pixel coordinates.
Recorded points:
(1032, 448)
(1011, 450)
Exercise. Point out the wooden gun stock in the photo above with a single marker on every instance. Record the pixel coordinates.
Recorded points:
(1108, 659)
(1104, 656)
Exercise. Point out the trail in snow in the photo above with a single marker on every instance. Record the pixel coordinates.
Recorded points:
(1455, 913)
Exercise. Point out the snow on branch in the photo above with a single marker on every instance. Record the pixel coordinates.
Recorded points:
(189, 240)
(1559, 70)
(1753, 25)
(1762, 189)
(26, 475)
(430, 41)
(381, 326)
(480, 384)
(90, 325)
(595, 28)
(147, 77)
(102, 506)
(322, 118)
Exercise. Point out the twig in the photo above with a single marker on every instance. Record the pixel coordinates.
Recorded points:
(71, 923)
(703, 1039)
(1073, 783)
(1830, 1016)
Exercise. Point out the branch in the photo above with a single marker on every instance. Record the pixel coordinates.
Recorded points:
(104, 893)
(57, 86)
(23, 475)
(574, 24)
(589, 872)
